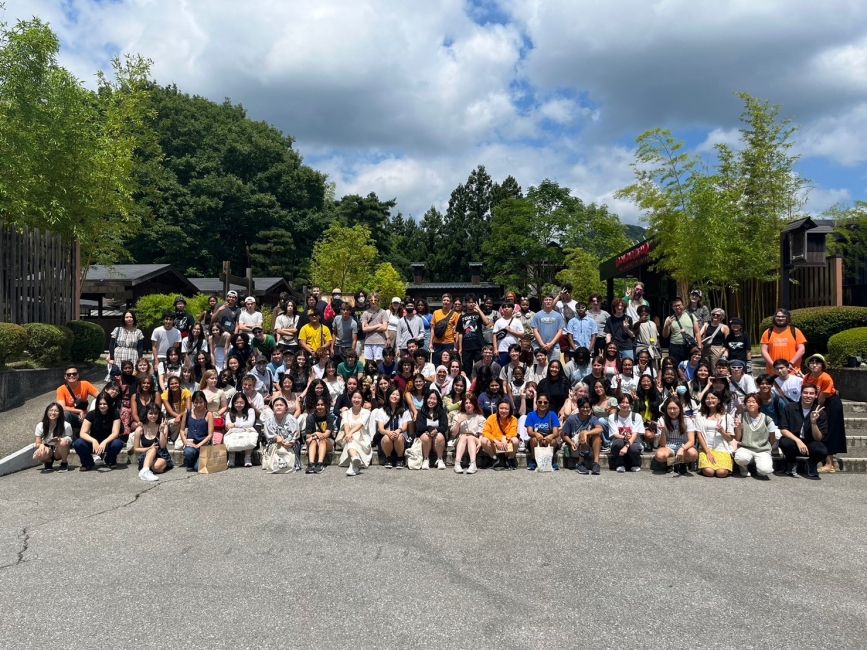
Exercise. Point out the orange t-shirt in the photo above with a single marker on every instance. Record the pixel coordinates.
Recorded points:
(823, 382)
(781, 345)
(493, 431)
(438, 316)
(85, 390)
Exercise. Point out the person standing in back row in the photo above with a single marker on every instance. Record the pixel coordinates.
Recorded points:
(374, 324)
(548, 326)
(782, 340)
(443, 325)
(680, 327)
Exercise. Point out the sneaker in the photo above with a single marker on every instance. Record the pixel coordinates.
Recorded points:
(142, 473)
(606, 448)
(351, 471)
(555, 466)
(401, 464)
(674, 473)
(812, 472)
(513, 463)
(531, 465)
(458, 469)
(318, 468)
(581, 468)
(498, 463)
(522, 447)
(387, 464)
(472, 469)
(97, 460)
(248, 460)
(150, 476)
(232, 460)
(85, 468)
(425, 464)
(311, 469)
(635, 469)
(595, 469)
(441, 464)
(357, 464)
(450, 444)
(47, 467)
(64, 467)
(621, 470)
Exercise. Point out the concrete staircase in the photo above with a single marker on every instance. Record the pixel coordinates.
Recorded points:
(855, 461)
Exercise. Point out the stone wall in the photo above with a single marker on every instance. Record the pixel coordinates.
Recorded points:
(852, 383)
(18, 386)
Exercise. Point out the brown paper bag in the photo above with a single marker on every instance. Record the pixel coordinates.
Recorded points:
(213, 459)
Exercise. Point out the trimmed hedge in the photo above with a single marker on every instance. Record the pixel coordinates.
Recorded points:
(820, 323)
(13, 340)
(46, 344)
(88, 341)
(846, 344)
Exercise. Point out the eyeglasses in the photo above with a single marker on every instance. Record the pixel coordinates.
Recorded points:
(72, 374)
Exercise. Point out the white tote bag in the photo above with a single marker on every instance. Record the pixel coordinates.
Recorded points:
(414, 455)
(277, 459)
(544, 459)
(241, 440)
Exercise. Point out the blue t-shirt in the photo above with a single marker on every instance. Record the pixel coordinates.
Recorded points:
(574, 424)
(543, 425)
(548, 324)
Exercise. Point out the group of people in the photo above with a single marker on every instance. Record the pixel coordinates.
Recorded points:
(486, 380)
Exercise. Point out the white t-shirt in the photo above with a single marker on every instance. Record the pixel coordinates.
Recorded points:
(381, 417)
(626, 426)
(791, 388)
(165, 339)
(712, 436)
(513, 324)
(250, 320)
(67, 432)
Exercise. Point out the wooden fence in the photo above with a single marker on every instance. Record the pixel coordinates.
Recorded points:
(39, 275)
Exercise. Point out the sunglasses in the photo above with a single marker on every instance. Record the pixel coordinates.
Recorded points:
(72, 374)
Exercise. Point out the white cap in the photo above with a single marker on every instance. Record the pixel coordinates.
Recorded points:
(395, 299)
(249, 299)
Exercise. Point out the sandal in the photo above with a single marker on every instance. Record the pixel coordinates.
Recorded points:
(827, 469)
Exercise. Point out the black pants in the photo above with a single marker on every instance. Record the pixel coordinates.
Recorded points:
(468, 359)
(678, 352)
(817, 450)
(632, 458)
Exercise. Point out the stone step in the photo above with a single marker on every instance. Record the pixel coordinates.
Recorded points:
(857, 409)
(855, 424)
(844, 463)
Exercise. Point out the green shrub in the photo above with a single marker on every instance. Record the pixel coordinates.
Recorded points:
(149, 309)
(48, 345)
(88, 340)
(820, 323)
(13, 340)
(846, 344)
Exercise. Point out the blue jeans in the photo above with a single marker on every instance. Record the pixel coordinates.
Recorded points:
(85, 452)
(191, 458)
(627, 354)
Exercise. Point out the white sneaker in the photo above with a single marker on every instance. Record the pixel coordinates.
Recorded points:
(425, 464)
(150, 476)
(441, 463)
(357, 464)
(354, 465)
(142, 473)
(472, 469)
(248, 460)
(621, 469)
(635, 469)
(458, 469)
(97, 460)
(522, 447)
(451, 444)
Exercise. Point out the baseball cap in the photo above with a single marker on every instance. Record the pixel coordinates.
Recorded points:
(249, 299)
(395, 300)
(232, 294)
(257, 329)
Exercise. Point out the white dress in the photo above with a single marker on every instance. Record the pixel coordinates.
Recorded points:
(360, 439)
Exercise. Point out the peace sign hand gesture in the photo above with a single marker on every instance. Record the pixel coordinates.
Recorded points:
(814, 416)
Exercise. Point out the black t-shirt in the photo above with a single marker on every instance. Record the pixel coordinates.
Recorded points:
(229, 317)
(556, 391)
(617, 326)
(183, 321)
(101, 425)
(470, 326)
(737, 346)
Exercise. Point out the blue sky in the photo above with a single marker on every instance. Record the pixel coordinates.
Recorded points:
(405, 99)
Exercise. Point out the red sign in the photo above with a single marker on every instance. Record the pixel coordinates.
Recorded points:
(634, 257)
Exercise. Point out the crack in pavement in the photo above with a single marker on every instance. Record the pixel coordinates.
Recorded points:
(24, 535)
(24, 538)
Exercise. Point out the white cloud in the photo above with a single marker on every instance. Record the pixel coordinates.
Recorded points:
(820, 199)
(405, 99)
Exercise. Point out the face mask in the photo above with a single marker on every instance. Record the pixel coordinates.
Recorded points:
(681, 390)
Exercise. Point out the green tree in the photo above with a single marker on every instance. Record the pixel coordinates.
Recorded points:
(850, 238)
(367, 211)
(519, 251)
(343, 257)
(66, 153)
(219, 185)
(582, 272)
(466, 224)
(406, 244)
(387, 282)
(508, 189)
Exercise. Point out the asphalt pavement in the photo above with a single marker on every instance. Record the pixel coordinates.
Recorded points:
(245, 559)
